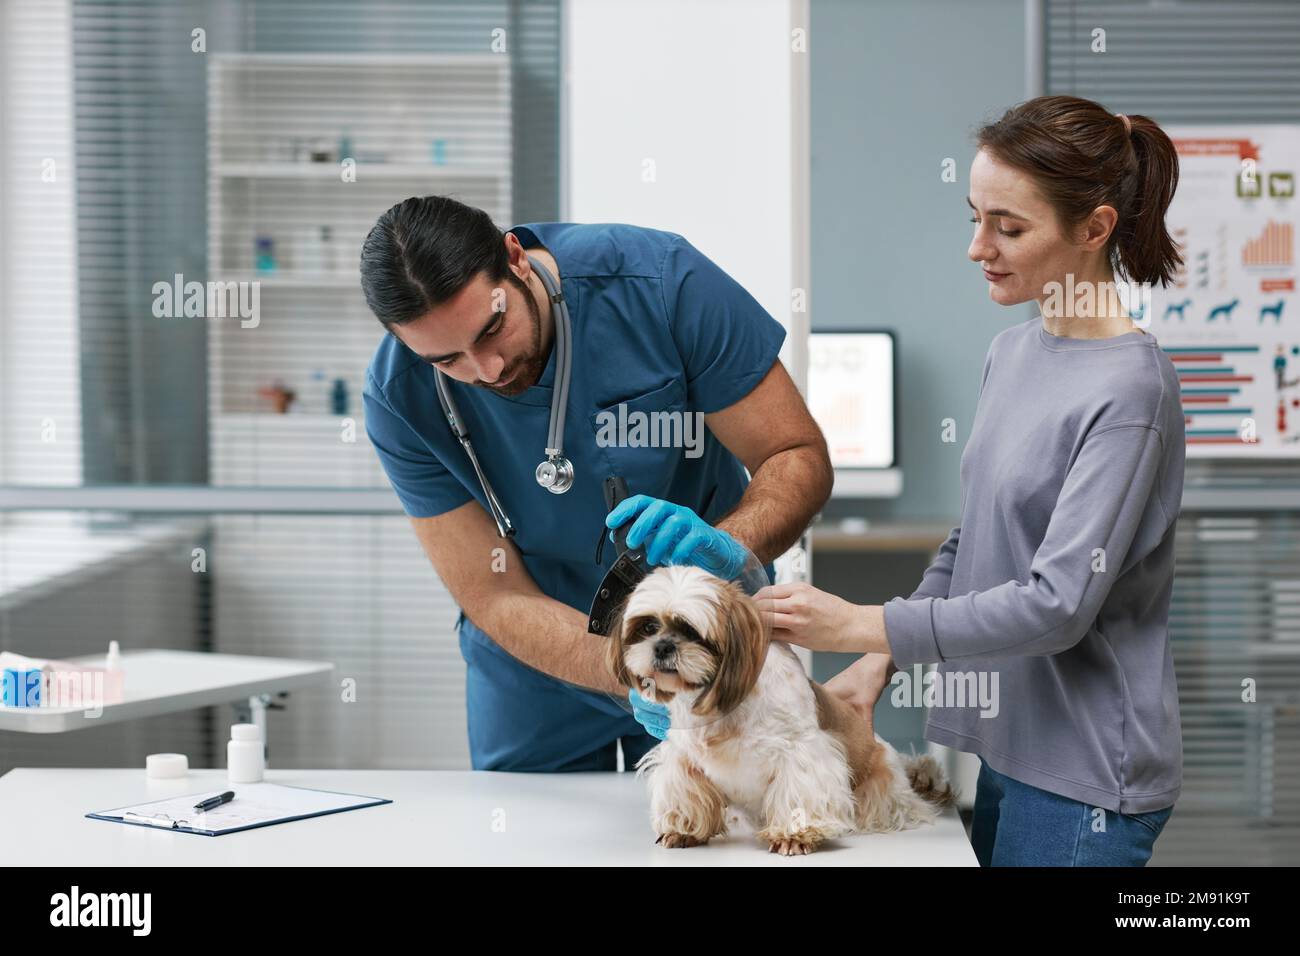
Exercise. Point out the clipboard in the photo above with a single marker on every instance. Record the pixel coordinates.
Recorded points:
(255, 805)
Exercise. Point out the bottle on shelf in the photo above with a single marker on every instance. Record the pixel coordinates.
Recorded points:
(264, 253)
(339, 397)
(327, 256)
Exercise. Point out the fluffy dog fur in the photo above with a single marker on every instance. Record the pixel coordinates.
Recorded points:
(750, 730)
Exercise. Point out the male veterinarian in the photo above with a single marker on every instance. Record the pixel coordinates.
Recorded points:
(656, 327)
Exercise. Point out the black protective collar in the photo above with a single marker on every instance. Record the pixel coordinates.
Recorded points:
(629, 568)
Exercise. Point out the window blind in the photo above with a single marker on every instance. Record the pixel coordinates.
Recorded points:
(180, 162)
(1233, 620)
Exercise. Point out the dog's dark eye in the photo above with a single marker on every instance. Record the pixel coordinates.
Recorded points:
(649, 627)
(686, 631)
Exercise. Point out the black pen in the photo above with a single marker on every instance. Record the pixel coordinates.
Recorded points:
(216, 801)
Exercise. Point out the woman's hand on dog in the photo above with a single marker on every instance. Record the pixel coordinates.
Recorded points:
(801, 614)
(862, 682)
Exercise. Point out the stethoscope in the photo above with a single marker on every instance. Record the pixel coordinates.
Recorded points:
(555, 474)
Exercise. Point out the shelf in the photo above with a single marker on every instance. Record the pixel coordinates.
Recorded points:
(884, 536)
(289, 279)
(262, 109)
(451, 61)
(275, 420)
(365, 171)
(81, 551)
(1240, 499)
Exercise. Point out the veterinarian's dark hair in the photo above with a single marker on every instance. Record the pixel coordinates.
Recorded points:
(1082, 156)
(423, 251)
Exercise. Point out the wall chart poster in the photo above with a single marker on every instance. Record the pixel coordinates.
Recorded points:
(1231, 320)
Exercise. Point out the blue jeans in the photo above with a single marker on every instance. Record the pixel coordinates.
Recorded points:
(1016, 824)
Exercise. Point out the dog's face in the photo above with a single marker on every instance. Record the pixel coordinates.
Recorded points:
(685, 631)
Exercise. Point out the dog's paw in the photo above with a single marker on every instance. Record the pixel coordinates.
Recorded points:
(789, 841)
(792, 846)
(675, 840)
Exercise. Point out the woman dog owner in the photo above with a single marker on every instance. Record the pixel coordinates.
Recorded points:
(1058, 578)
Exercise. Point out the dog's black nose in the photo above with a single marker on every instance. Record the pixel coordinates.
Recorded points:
(664, 647)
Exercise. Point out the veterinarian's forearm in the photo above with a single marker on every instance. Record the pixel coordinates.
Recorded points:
(550, 636)
(783, 496)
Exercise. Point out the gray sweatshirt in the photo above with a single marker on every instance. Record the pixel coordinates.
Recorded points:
(1048, 607)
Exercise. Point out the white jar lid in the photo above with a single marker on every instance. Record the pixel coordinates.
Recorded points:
(166, 766)
(245, 732)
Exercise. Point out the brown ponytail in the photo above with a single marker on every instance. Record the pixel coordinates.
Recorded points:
(1083, 156)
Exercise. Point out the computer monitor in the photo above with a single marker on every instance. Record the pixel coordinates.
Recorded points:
(852, 393)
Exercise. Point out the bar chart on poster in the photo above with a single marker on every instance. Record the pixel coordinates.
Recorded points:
(1230, 321)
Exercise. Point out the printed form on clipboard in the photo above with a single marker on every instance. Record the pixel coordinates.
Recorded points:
(255, 805)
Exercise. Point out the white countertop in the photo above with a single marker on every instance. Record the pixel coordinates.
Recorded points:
(52, 552)
(436, 817)
(165, 681)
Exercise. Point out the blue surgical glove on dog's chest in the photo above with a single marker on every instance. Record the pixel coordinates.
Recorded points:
(674, 534)
(653, 717)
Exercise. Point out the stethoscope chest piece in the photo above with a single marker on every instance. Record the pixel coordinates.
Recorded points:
(555, 475)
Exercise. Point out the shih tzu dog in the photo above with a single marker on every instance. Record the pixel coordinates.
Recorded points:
(750, 730)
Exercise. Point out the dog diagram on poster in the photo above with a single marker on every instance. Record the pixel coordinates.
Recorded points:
(1230, 321)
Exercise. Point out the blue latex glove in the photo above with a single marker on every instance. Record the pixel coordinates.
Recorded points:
(653, 717)
(674, 534)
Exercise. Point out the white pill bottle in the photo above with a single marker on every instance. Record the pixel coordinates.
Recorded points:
(244, 754)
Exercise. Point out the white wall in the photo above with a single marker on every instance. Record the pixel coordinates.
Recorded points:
(701, 90)
(39, 341)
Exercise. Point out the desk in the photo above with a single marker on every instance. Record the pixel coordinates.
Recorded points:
(442, 817)
(855, 536)
(163, 682)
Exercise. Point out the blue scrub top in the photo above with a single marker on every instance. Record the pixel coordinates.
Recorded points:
(657, 327)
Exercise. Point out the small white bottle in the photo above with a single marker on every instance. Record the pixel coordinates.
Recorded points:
(114, 678)
(244, 756)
